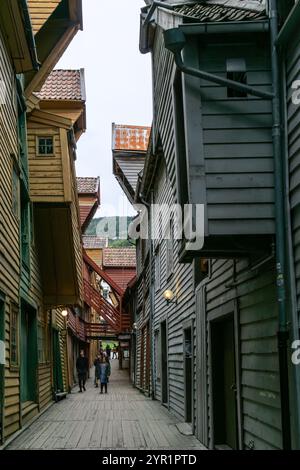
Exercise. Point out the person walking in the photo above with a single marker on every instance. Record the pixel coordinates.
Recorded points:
(97, 364)
(82, 367)
(108, 350)
(104, 372)
(115, 352)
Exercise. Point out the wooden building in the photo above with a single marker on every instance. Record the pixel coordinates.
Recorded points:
(94, 247)
(120, 265)
(89, 199)
(32, 350)
(212, 341)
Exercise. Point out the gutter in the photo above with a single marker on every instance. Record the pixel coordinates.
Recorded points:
(29, 34)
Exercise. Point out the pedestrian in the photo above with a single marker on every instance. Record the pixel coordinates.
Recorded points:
(96, 364)
(115, 352)
(108, 350)
(104, 372)
(82, 367)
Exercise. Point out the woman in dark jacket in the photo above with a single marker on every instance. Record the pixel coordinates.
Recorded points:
(103, 372)
(97, 369)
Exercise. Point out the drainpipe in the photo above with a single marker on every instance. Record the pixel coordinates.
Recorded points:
(279, 158)
(152, 295)
(29, 35)
(175, 41)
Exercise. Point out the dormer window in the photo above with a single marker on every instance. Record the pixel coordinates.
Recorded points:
(45, 146)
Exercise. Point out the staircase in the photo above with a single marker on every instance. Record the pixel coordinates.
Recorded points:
(116, 321)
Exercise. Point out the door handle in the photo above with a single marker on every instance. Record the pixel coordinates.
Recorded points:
(233, 387)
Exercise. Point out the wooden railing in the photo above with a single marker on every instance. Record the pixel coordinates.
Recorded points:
(104, 309)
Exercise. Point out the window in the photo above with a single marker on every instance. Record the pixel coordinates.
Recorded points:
(170, 253)
(15, 192)
(157, 355)
(45, 146)
(201, 269)
(157, 270)
(236, 71)
(14, 332)
(42, 343)
(25, 227)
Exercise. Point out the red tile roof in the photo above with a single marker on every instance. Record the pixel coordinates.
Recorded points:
(88, 185)
(92, 242)
(64, 85)
(130, 138)
(119, 257)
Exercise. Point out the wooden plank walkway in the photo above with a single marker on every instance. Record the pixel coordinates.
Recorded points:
(122, 419)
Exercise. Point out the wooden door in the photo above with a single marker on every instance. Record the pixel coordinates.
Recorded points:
(188, 375)
(28, 356)
(57, 369)
(148, 361)
(224, 383)
(24, 331)
(164, 363)
(142, 368)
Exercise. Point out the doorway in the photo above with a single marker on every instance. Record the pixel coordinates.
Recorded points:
(164, 363)
(188, 375)
(2, 365)
(224, 383)
(28, 356)
(58, 384)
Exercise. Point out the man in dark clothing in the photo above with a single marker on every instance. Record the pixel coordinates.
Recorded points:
(82, 366)
(108, 351)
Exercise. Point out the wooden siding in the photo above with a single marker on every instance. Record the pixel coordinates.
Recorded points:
(40, 11)
(76, 229)
(236, 141)
(182, 279)
(121, 276)
(46, 173)
(9, 230)
(96, 255)
(253, 300)
(259, 369)
(293, 119)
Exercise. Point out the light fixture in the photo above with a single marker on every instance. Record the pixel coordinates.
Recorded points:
(64, 313)
(169, 296)
(134, 326)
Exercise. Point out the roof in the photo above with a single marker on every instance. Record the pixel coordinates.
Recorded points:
(223, 10)
(91, 242)
(119, 257)
(88, 185)
(65, 85)
(130, 138)
(131, 168)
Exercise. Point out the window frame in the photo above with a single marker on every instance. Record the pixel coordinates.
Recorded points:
(14, 310)
(236, 70)
(15, 191)
(45, 155)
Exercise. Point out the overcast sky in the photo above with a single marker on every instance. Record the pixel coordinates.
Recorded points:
(118, 86)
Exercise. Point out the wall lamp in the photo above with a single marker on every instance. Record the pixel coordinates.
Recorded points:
(170, 297)
(64, 313)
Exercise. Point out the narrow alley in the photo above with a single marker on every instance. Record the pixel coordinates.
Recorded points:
(122, 419)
